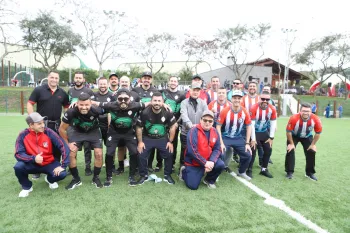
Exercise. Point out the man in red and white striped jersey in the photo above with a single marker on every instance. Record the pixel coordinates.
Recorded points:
(218, 105)
(299, 129)
(252, 97)
(213, 91)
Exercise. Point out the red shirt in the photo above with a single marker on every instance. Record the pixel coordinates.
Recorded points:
(303, 128)
(233, 123)
(247, 101)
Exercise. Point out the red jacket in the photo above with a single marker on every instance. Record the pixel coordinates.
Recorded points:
(29, 144)
(200, 149)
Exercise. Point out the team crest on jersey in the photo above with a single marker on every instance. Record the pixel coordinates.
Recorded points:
(108, 99)
(214, 140)
(45, 144)
(109, 138)
(82, 93)
(240, 120)
(156, 131)
(130, 112)
(311, 128)
(151, 94)
(176, 97)
(92, 117)
(131, 98)
(162, 119)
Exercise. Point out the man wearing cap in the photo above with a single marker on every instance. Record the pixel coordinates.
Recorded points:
(202, 154)
(84, 127)
(34, 153)
(123, 112)
(192, 109)
(215, 85)
(73, 94)
(50, 99)
(113, 83)
(155, 128)
(203, 94)
(234, 127)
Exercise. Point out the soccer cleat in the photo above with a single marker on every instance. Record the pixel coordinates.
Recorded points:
(266, 173)
(119, 171)
(25, 193)
(244, 175)
(289, 175)
(35, 176)
(74, 183)
(169, 179)
(53, 185)
(180, 173)
(158, 167)
(132, 181)
(311, 177)
(211, 186)
(126, 163)
(88, 171)
(270, 161)
(108, 182)
(150, 169)
(142, 180)
(97, 182)
(249, 173)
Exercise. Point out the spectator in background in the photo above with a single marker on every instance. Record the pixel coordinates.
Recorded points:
(328, 109)
(313, 108)
(340, 109)
(261, 87)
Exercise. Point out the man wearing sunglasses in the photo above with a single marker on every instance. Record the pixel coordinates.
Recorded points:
(122, 112)
(234, 127)
(263, 116)
(202, 154)
(236, 85)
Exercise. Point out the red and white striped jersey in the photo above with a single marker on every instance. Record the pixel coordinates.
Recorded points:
(234, 123)
(218, 107)
(213, 94)
(247, 101)
(303, 129)
(262, 117)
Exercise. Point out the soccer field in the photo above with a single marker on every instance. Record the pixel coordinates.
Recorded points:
(159, 207)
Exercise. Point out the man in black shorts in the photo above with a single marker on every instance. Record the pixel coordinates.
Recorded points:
(123, 112)
(83, 120)
(152, 130)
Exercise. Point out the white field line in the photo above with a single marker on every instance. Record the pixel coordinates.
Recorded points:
(280, 205)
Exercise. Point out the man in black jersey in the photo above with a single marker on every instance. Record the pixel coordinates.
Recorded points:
(113, 83)
(123, 112)
(73, 94)
(173, 98)
(152, 129)
(83, 120)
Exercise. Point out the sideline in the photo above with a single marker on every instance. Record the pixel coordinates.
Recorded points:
(280, 205)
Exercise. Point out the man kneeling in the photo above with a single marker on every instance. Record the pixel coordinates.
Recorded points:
(202, 155)
(34, 154)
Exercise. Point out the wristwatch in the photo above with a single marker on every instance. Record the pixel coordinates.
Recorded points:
(271, 138)
(247, 143)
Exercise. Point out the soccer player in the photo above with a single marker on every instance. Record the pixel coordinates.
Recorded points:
(215, 85)
(299, 129)
(34, 153)
(113, 83)
(263, 116)
(234, 127)
(83, 119)
(252, 97)
(156, 129)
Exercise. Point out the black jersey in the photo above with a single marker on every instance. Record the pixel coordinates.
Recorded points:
(173, 99)
(145, 95)
(74, 93)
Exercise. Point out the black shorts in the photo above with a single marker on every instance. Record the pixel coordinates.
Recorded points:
(93, 137)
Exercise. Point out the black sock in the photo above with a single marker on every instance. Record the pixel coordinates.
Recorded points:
(124, 156)
(121, 164)
(97, 171)
(74, 172)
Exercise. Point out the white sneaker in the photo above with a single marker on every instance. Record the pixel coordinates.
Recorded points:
(244, 175)
(25, 193)
(211, 186)
(180, 173)
(53, 185)
(126, 163)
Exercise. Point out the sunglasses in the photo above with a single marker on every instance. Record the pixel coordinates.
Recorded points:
(121, 99)
(236, 83)
(205, 121)
(264, 99)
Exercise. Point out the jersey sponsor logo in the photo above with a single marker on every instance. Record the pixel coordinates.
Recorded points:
(60, 97)
(45, 144)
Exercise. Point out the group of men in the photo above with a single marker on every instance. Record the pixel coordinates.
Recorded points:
(212, 126)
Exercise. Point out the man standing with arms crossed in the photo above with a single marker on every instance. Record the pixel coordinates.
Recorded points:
(50, 99)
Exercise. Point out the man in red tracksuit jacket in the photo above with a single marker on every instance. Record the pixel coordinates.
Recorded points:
(203, 154)
(34, 154)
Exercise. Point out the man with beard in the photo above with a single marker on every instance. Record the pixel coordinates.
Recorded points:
(234, 127)
(236, 85)
(83, 120)
(299, 129)
(50, 99)
(123, 111)
(197, 79)
(113, 83)
(252, 97)
(152, 130)
(263, 116)
(213, 91)
(173, 98)
(73, 94)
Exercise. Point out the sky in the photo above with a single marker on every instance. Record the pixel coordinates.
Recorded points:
(307, 19)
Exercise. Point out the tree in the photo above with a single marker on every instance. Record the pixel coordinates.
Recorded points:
(197, 50)
(326, 56)
(155, 49)
(236, 43)
(49, 40)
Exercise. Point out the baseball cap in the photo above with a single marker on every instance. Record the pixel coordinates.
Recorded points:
(34, 117)
(113, 74)
(196, 85)
(147, 73)
(208, 113)
(123, 90)
(197, 76)
(237, 93)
